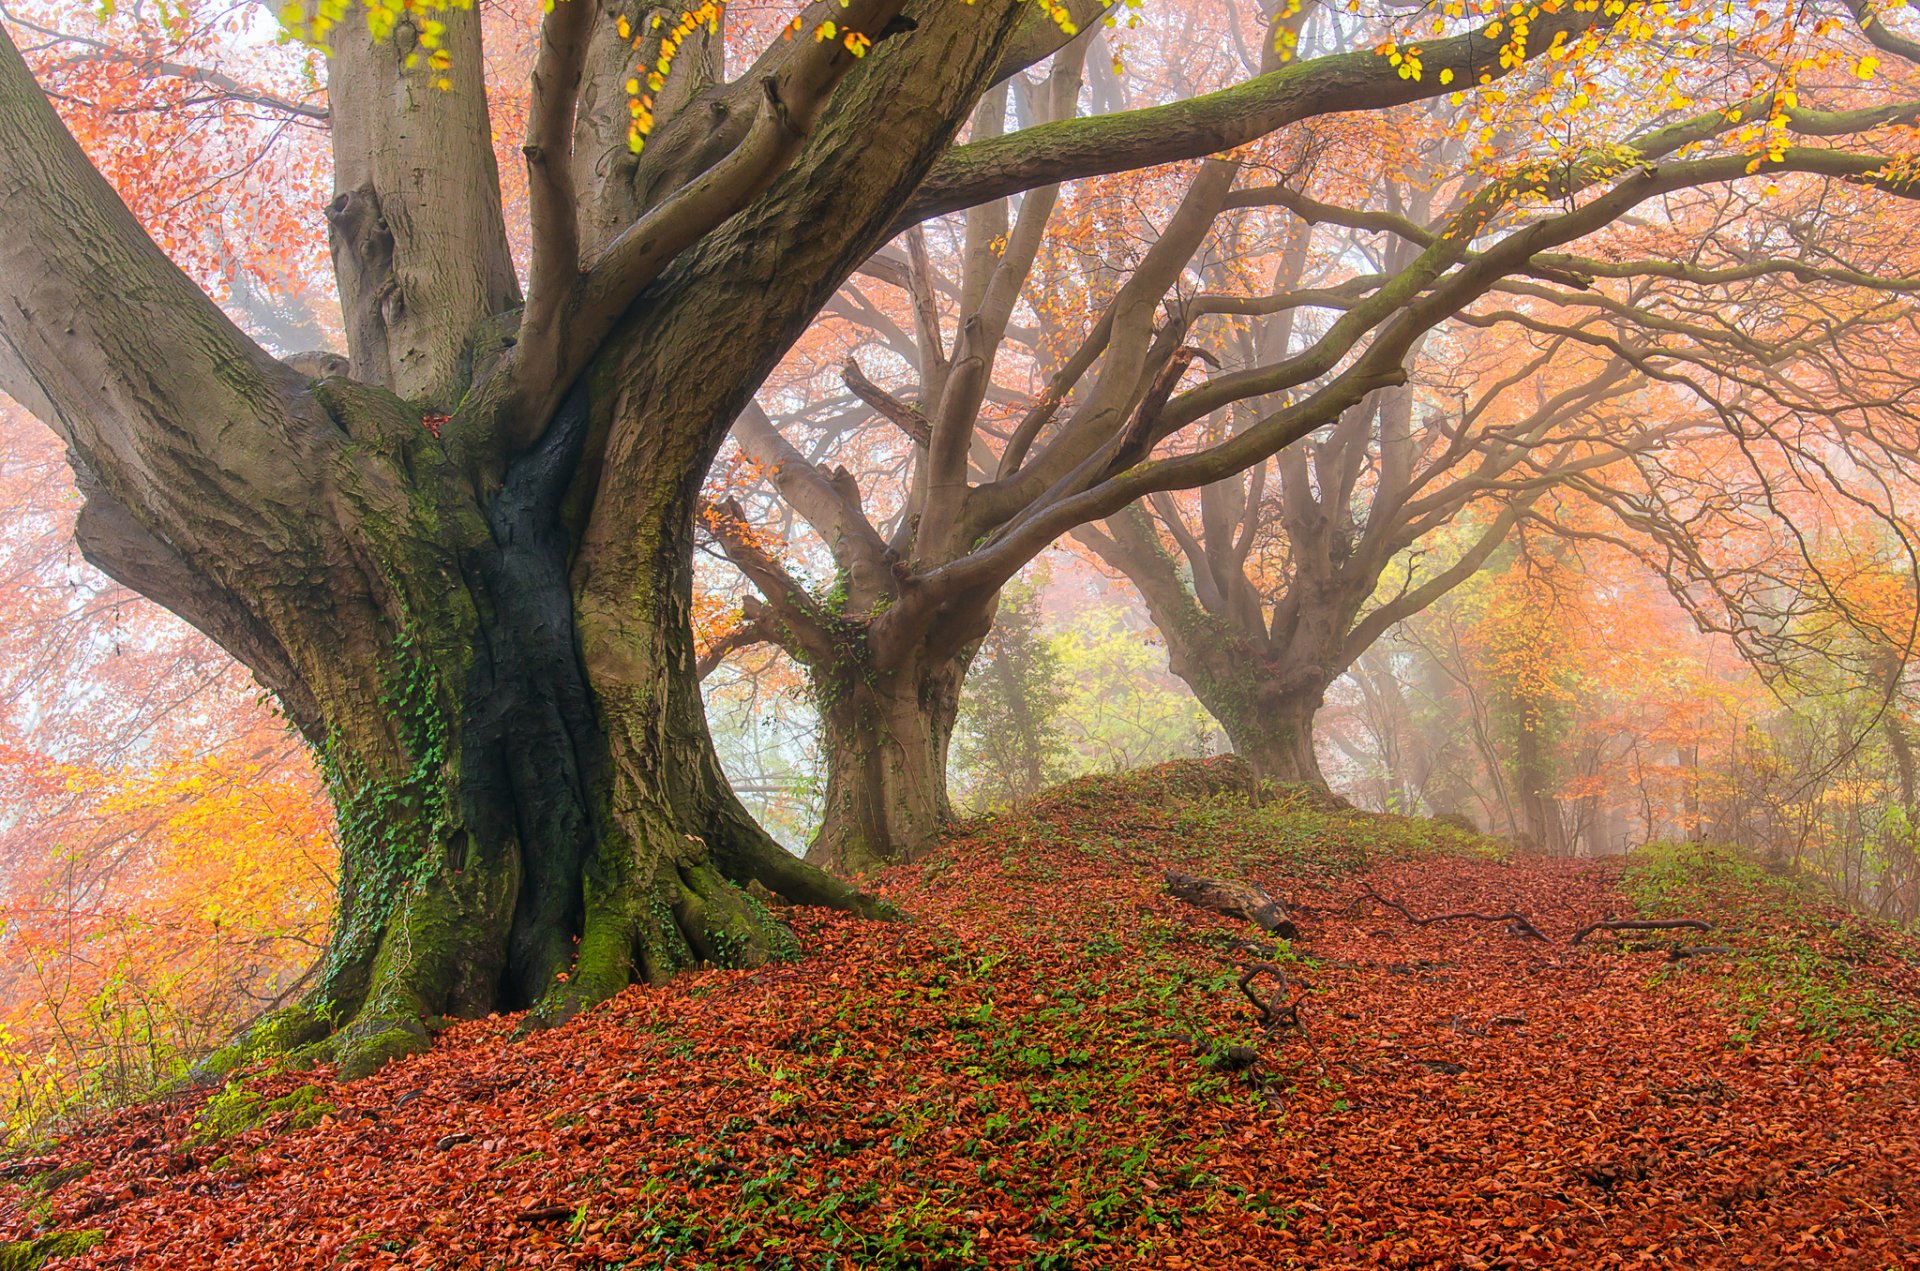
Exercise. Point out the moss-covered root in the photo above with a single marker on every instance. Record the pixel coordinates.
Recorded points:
(442, 952)
(746, 853)
(686, 915)
(31, 1255)
(277, 1033)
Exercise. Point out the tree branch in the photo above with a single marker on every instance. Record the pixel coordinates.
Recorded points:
(1216, 122)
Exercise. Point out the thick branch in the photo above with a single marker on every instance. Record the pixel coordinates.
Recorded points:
(1220, 121)
(904, 416)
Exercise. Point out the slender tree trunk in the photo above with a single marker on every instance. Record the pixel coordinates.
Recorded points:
(1539, 808)
(887, 735)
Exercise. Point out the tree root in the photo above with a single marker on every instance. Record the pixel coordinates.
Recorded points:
(1517, 923)
(1273, 1016)
(1520, 925)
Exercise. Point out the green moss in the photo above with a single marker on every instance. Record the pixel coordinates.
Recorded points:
(1793, 948)
(53, 1180)
(279, 1033)
(30, 1255)
(236, 1109)
(364, 1054)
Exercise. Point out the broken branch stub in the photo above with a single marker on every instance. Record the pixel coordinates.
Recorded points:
(1246, 901)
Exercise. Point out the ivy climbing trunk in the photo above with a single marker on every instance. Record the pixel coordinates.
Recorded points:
(1276, 737)
(520, 826)
(887, 734)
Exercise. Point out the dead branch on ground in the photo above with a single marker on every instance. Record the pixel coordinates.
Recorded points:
(1246, 901)
(1517, 923)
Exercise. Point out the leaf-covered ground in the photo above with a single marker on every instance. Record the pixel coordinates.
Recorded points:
(1038, 1072)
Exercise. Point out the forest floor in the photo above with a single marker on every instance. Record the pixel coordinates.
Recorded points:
(1049, 1068)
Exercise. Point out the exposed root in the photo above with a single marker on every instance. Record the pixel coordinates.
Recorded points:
(1520, 925)
(746, 853)
(1517, 923)
(1274, 1017)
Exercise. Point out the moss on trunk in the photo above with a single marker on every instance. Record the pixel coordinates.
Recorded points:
(516, 832)
(887, 735)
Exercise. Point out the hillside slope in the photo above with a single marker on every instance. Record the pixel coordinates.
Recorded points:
(1053, 1066)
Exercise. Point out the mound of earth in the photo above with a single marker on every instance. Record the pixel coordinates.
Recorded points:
(1055, 1064)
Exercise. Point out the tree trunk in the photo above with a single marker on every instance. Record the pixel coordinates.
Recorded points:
(887, 734)
(520, 826)
(1540, 828)
(1277, 737)
(1265, 706)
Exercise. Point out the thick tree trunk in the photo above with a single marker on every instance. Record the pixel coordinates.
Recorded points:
(1276, 737)
(514, 833)
(887, 735)
(1267, 707)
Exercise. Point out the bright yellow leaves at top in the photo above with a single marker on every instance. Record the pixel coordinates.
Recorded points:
(384, 19)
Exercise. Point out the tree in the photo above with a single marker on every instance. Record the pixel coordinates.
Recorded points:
(463, 564)
(1016, 437)
(1009, 736)
(1271, 584)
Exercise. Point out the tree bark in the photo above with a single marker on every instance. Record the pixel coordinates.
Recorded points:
(1277, 736)
(1263, 691)
(887, 735)
(510, 837)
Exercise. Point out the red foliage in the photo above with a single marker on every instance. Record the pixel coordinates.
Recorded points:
(1011, 1081)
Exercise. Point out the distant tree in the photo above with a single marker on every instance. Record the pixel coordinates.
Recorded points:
(1047, 373)
(1009, 738)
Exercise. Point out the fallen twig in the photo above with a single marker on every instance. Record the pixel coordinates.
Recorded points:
(1610, 923)
(1273, 1017)
(1518, 923)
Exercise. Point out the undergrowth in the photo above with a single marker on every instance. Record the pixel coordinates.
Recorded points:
(1838, 973)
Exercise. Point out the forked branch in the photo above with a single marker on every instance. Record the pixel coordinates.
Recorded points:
(1518, 923)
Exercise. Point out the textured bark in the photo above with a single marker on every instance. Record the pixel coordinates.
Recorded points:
(887, 735)
(419, 245)
(1263, 686)
(500, 692)
(1277, 736)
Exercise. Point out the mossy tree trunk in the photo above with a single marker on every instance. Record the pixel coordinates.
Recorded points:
(513, 834)
(885, 670)
(464, 566)
(887, 734)
(461, 559)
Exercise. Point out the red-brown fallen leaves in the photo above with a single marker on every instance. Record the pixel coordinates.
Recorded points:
(1019, 1079)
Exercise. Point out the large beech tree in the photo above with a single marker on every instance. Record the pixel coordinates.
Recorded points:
(460, 552)
(1118, 408)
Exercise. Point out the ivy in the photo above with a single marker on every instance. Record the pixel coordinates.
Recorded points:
(395, 824)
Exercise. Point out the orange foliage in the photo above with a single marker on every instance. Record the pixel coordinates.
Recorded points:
(166, 857)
